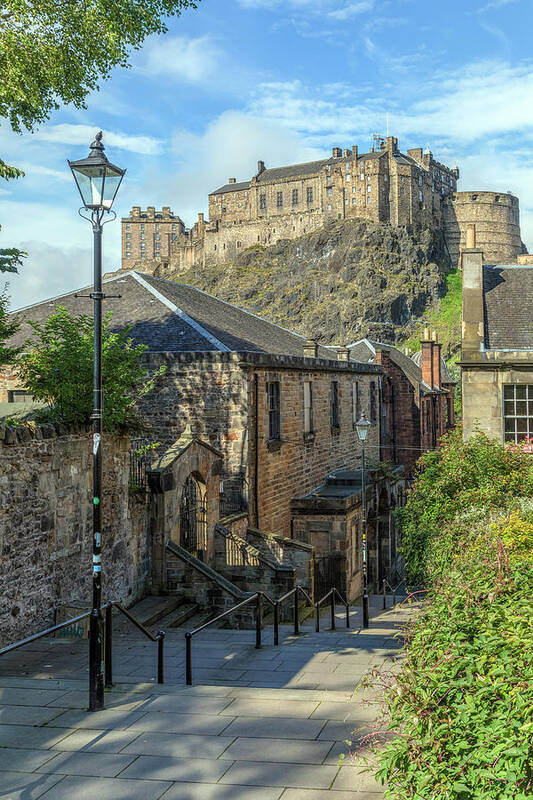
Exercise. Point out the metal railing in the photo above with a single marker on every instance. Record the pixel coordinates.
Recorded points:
(257, 599)
(393, 591)
(108, 639)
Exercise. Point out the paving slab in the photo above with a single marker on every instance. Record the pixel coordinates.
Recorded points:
(26, 736)
(96, 740)
(15, 696)
(347, 711)
(104, 765)
(164, 768)
(82, 788)
(26, 715)
(285, 728)
(22, 760)
(204, 724)
(108, 719)
(292, 751)
(127, 701)
(319, 794)
(356, 778)
(178, 745)
(205, 791)
(344, 731)
(260, 773)
(183, 704)
(25, 785)
(244, 707)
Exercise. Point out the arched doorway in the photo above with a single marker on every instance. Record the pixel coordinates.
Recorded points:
(193, 517)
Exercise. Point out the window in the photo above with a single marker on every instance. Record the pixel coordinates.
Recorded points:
(517, 411)
(142, 235)
(362, 176)
(173, 227)
(295, 197)
(309, 194)
(274, 419)
(143, 245)
(356, 402)
(157, 236)
(335, 423)
(279, 200)
(330, 192)
(369, 187)
(19, 396)
(354, 201)
(354, 189)
(308, 407)
(128, 254)
(157, 226)
(128, 226)
(420, 197)
(262, 202)
(373, 403)
(420, 180)
(128, 236)
(142, 226)
(348, 177)
(346, 202)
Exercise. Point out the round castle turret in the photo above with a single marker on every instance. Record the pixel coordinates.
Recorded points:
(496, 217)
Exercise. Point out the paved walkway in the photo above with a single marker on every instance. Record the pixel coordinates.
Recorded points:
(257, 725)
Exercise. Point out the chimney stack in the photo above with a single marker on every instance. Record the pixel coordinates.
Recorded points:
(310, 349)
(436, 361)
(232, 180)
(346, 153)
(426, 360)
(343, 354)
(260, 167)
(336, 152)
(355, 151)
(473, 333)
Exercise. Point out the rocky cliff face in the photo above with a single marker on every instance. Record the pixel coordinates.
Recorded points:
(348, 280)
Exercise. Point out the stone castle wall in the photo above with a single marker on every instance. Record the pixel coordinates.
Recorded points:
(496, 217)
(46, 526)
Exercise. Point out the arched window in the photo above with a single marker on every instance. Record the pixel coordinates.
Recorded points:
(193, 517)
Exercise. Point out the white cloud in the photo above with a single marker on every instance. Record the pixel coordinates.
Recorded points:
(83, 135)
(493, 5)
(178, 57)
(352, 10)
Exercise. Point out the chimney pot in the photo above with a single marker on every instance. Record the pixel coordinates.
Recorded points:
(310, 349)
(232, 180)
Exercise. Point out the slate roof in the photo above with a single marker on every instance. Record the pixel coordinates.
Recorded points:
(508, 303)
(365, 350)
(293, 171)
(172, 317)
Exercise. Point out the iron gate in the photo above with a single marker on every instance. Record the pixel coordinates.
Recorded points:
(330, 571)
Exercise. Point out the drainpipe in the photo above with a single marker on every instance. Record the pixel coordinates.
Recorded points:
(256, 446)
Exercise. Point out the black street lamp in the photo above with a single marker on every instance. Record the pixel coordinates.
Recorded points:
(98, 182)
(363, 426)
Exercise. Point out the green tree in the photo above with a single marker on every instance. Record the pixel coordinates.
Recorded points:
(59, 370)
(8, 327)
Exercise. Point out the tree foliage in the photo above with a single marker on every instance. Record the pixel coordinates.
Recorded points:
(8, 327)
(54, 53)
(59, 370)
(10, 257)
(462, 705)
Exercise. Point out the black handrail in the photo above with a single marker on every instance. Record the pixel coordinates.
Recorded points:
(108, 643)
(258, 598)
(393, 591)
(331, 594)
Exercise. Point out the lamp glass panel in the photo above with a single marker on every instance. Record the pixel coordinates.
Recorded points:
(112, 182)
(90, 182)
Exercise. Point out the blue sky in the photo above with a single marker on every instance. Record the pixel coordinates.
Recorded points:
(283, 81)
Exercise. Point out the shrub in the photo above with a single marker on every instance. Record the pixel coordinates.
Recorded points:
(59, 371)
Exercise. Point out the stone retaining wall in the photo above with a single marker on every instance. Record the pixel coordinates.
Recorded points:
(46, 525)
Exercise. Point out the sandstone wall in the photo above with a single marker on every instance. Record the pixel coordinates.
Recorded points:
(46, 526)
(497, 220)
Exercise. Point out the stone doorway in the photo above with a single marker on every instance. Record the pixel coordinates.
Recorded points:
(193, 517)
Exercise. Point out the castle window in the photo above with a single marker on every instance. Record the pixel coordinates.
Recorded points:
(420, 180)
(308, 407)
(128, 236)
(309, 194)
(386, 177)
(128, 255)
(348, 165)
(279, 199)
(354, 201)
(346, 202)
(497, 198)
(274, 411)
(421, 197)
(222, 197)
(474, 197)
(157, 226)
(157, 236)
(215, 247)
(369, 187)
(330, 192)
(128, 226)
(329, 206)
(142, 226)
(173, 227)
(295, 197)
(362, 176)
(517, 411)
(142, 235)
(354, 189)
(262, 202)
(334, 405)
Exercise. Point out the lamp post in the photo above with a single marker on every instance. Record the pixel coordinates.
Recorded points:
(363, 426)
(98, 182)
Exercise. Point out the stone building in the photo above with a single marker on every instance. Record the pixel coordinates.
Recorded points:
(416, 398)
(383, 185)
(497, 347)
(496, 217)
(276, 410)
(148, 235)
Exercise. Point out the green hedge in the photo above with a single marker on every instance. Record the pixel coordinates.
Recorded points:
(463, 703)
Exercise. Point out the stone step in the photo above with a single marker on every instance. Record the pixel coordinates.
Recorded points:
(179, 617)
(154, 608)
